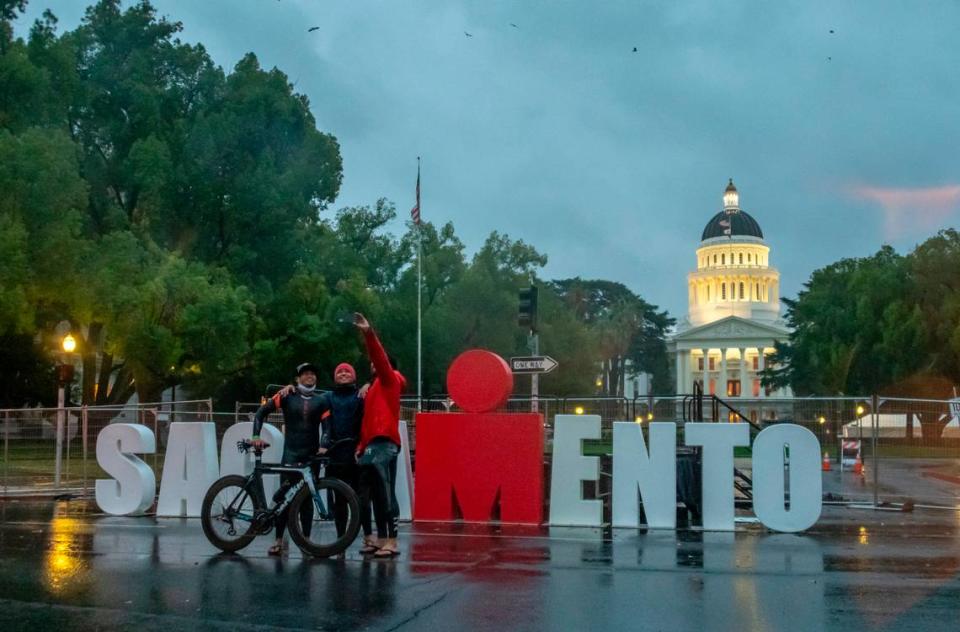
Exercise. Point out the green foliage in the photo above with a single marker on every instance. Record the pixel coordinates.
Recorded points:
(935, 270)
(864, 325)
(26, 377)
(624, 327)
(179, 217)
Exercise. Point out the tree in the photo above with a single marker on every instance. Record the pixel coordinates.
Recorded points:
(27, 377)
(625, 327)
(855, 329)
(161, 321)
(142, 188)
(934, 267)
(176, 215)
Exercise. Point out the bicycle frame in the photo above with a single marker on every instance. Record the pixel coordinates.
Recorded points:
(254, 487)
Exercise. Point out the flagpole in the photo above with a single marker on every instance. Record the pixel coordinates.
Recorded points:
(419, 300)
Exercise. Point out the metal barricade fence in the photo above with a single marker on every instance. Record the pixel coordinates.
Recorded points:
(908, 449)
(37, 461)
(918, 446)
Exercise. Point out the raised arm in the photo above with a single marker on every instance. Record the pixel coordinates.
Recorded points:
(376, 352)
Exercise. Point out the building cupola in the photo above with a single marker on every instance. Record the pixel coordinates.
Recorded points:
(731, 198)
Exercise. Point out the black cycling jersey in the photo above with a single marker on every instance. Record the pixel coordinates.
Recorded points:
(302, 417)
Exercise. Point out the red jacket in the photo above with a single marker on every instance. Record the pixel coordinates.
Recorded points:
(381, 408)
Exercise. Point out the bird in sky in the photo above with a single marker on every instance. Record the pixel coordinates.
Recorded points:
(514, 25)
(831, 30)
(634, 49)
(312, 29)
(467, 34)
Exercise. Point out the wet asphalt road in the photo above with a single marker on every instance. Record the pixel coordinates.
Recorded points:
(64, 567)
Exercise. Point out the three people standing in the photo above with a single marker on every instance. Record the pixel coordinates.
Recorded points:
(361, 436)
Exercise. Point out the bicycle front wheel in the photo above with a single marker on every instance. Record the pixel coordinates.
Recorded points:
(227, 514)
(327, 523)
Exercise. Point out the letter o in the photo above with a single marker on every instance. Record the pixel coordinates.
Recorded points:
(806, 484)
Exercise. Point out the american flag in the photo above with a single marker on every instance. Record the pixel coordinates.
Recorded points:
(415, 211)
(724, 222)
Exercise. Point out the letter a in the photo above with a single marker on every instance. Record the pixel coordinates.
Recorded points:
(189, 468)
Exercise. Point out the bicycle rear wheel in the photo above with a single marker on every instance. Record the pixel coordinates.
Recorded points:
(227, 514)
(327, 523)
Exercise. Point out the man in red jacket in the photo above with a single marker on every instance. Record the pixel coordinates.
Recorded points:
(379, 447)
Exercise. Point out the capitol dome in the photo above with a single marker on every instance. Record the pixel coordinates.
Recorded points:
(733, 275)
(733, 324)
(732, 221)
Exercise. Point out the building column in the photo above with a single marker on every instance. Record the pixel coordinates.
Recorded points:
(743, 369)
(706, 370)
(761, 365)
(722, 385)
(679, 372)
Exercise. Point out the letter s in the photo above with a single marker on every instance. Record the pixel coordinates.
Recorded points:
(133, 486)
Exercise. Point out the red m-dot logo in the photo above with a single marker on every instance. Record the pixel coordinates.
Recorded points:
(481, 464)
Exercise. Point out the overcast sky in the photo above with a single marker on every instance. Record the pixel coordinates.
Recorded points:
(611, 161)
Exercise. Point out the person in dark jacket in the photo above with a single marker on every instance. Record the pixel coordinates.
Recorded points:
(303, 410)
(379, 447)
(341, 432)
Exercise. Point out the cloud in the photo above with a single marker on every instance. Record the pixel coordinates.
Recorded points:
(910, 211)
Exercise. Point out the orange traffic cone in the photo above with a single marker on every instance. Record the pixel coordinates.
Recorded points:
(826, 462)
(858, 466)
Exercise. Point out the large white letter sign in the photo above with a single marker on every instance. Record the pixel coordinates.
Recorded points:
(189, 468)
(134, 485)
(653, 474)
(570, 467)
(232, 461)
(405, 475)
(718, 441)
(806, 484)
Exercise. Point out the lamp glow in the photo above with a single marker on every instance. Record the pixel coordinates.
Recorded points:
(731, 198)
(69, 343)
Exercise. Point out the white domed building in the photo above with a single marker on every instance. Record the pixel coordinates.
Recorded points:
(734, 309)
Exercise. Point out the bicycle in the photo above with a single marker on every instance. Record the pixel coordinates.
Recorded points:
(234, 510)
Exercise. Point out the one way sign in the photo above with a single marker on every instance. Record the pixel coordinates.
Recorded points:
(533, 364)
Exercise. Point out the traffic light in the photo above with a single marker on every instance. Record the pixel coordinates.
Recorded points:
(65, 373)
(528, 307)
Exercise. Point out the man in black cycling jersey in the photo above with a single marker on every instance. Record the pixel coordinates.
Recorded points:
(303, 410)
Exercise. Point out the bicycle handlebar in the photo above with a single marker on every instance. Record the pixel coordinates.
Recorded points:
(243, 446)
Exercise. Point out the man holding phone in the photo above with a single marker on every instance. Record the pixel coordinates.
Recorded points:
(379, 447)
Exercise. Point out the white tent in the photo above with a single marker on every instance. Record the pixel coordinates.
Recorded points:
(894, 427)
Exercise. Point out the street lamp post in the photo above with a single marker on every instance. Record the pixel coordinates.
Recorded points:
(64, 377)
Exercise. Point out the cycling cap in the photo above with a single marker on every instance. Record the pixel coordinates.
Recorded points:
(307, 366)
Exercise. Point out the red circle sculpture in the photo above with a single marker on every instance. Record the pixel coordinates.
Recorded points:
(479, 381)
